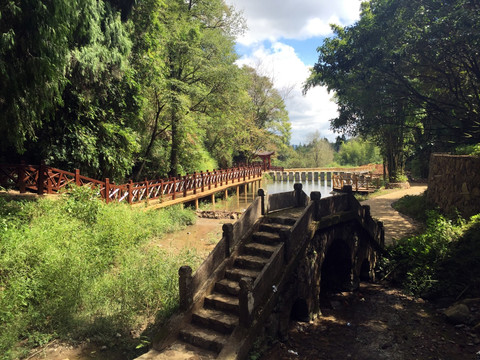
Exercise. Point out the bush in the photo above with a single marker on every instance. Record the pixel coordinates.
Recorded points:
(73, 267)
(440, 261)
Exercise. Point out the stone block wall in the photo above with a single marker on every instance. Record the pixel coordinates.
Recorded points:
(454, 183)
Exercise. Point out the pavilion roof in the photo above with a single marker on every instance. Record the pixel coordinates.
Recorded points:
(264, 153)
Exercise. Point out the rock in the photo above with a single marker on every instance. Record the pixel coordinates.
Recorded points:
(458, 314)
(476, 328)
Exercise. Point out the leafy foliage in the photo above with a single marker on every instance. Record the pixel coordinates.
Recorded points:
(124, 89)
(406, 75)
(357, 152)
(440, 262)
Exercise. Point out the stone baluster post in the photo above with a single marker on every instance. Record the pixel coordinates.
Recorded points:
(185, 287)
(316, 196)
(264, 205)
(298, 194)
(246, 302)
(228, 235)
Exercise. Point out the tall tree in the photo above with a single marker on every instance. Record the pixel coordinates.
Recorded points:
(406, 71)
(266, 118)
(195, 41)
(70, 95)
(34, 47)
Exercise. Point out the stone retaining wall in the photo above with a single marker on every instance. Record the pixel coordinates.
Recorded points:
(454, 183)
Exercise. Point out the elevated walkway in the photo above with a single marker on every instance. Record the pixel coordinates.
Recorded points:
(228, 300)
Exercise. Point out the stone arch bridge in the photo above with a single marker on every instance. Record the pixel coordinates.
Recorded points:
(270, 267)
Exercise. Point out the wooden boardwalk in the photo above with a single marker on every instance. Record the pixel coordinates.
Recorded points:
(156, 193)
(191, 197)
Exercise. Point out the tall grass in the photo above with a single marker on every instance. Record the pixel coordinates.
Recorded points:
(75, 268)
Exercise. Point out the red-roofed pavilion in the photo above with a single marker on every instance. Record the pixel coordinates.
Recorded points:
(266, 158)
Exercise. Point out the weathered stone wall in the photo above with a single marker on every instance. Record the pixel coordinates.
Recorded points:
(454, 183)
(300, 298)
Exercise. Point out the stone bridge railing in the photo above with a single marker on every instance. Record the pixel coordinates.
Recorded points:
(319, 214)
(259, 298)
(194, 286)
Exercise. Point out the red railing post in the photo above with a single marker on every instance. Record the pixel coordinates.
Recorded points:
(21, 174)
(161, 189)
(41, 179)
(226, 177)
(185, 185)
(202, 181)
(147, 195)
(209, 179)
(129, 189)
(174, 189)
(194, 182)
(215, 175)
(107, 190)
(77, 177)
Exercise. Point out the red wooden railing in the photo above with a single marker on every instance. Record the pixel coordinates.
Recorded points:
(45, 179)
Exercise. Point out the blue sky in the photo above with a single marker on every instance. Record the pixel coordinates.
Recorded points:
(281, 43)
(305, 49)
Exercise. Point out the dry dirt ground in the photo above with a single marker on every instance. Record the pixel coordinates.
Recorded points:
(376, 323)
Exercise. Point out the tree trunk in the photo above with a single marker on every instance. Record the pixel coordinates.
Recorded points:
(175, 144)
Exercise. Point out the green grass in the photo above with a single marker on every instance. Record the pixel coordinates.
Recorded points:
(76, 268)
(415, 206)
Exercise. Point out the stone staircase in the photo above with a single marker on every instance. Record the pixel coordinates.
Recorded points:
(211, 325)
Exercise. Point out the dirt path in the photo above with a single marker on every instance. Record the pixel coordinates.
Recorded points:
(396, 225)
(378, 322)
(375, 323)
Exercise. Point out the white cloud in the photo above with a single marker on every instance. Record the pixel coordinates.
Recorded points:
(307, 113)
(275, 20)
(293, 19)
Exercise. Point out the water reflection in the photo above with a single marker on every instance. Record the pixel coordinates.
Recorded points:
(240, 203)
(274, 187)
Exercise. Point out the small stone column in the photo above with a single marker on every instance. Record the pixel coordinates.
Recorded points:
(316, 196)
(298, 193)
(185, 287)
(263, 205)
(228, 235)
(246, 302)
(382, 233)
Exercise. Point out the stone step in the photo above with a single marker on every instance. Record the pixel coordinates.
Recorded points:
(250, 262)
(222, 302)
(266, 237)
(258, 249)
(283, 220)
(274, 227)
(216, 320)
(203, 338)
(226, 286)
(237, 273)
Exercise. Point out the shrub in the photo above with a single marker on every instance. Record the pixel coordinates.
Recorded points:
(439, 261)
